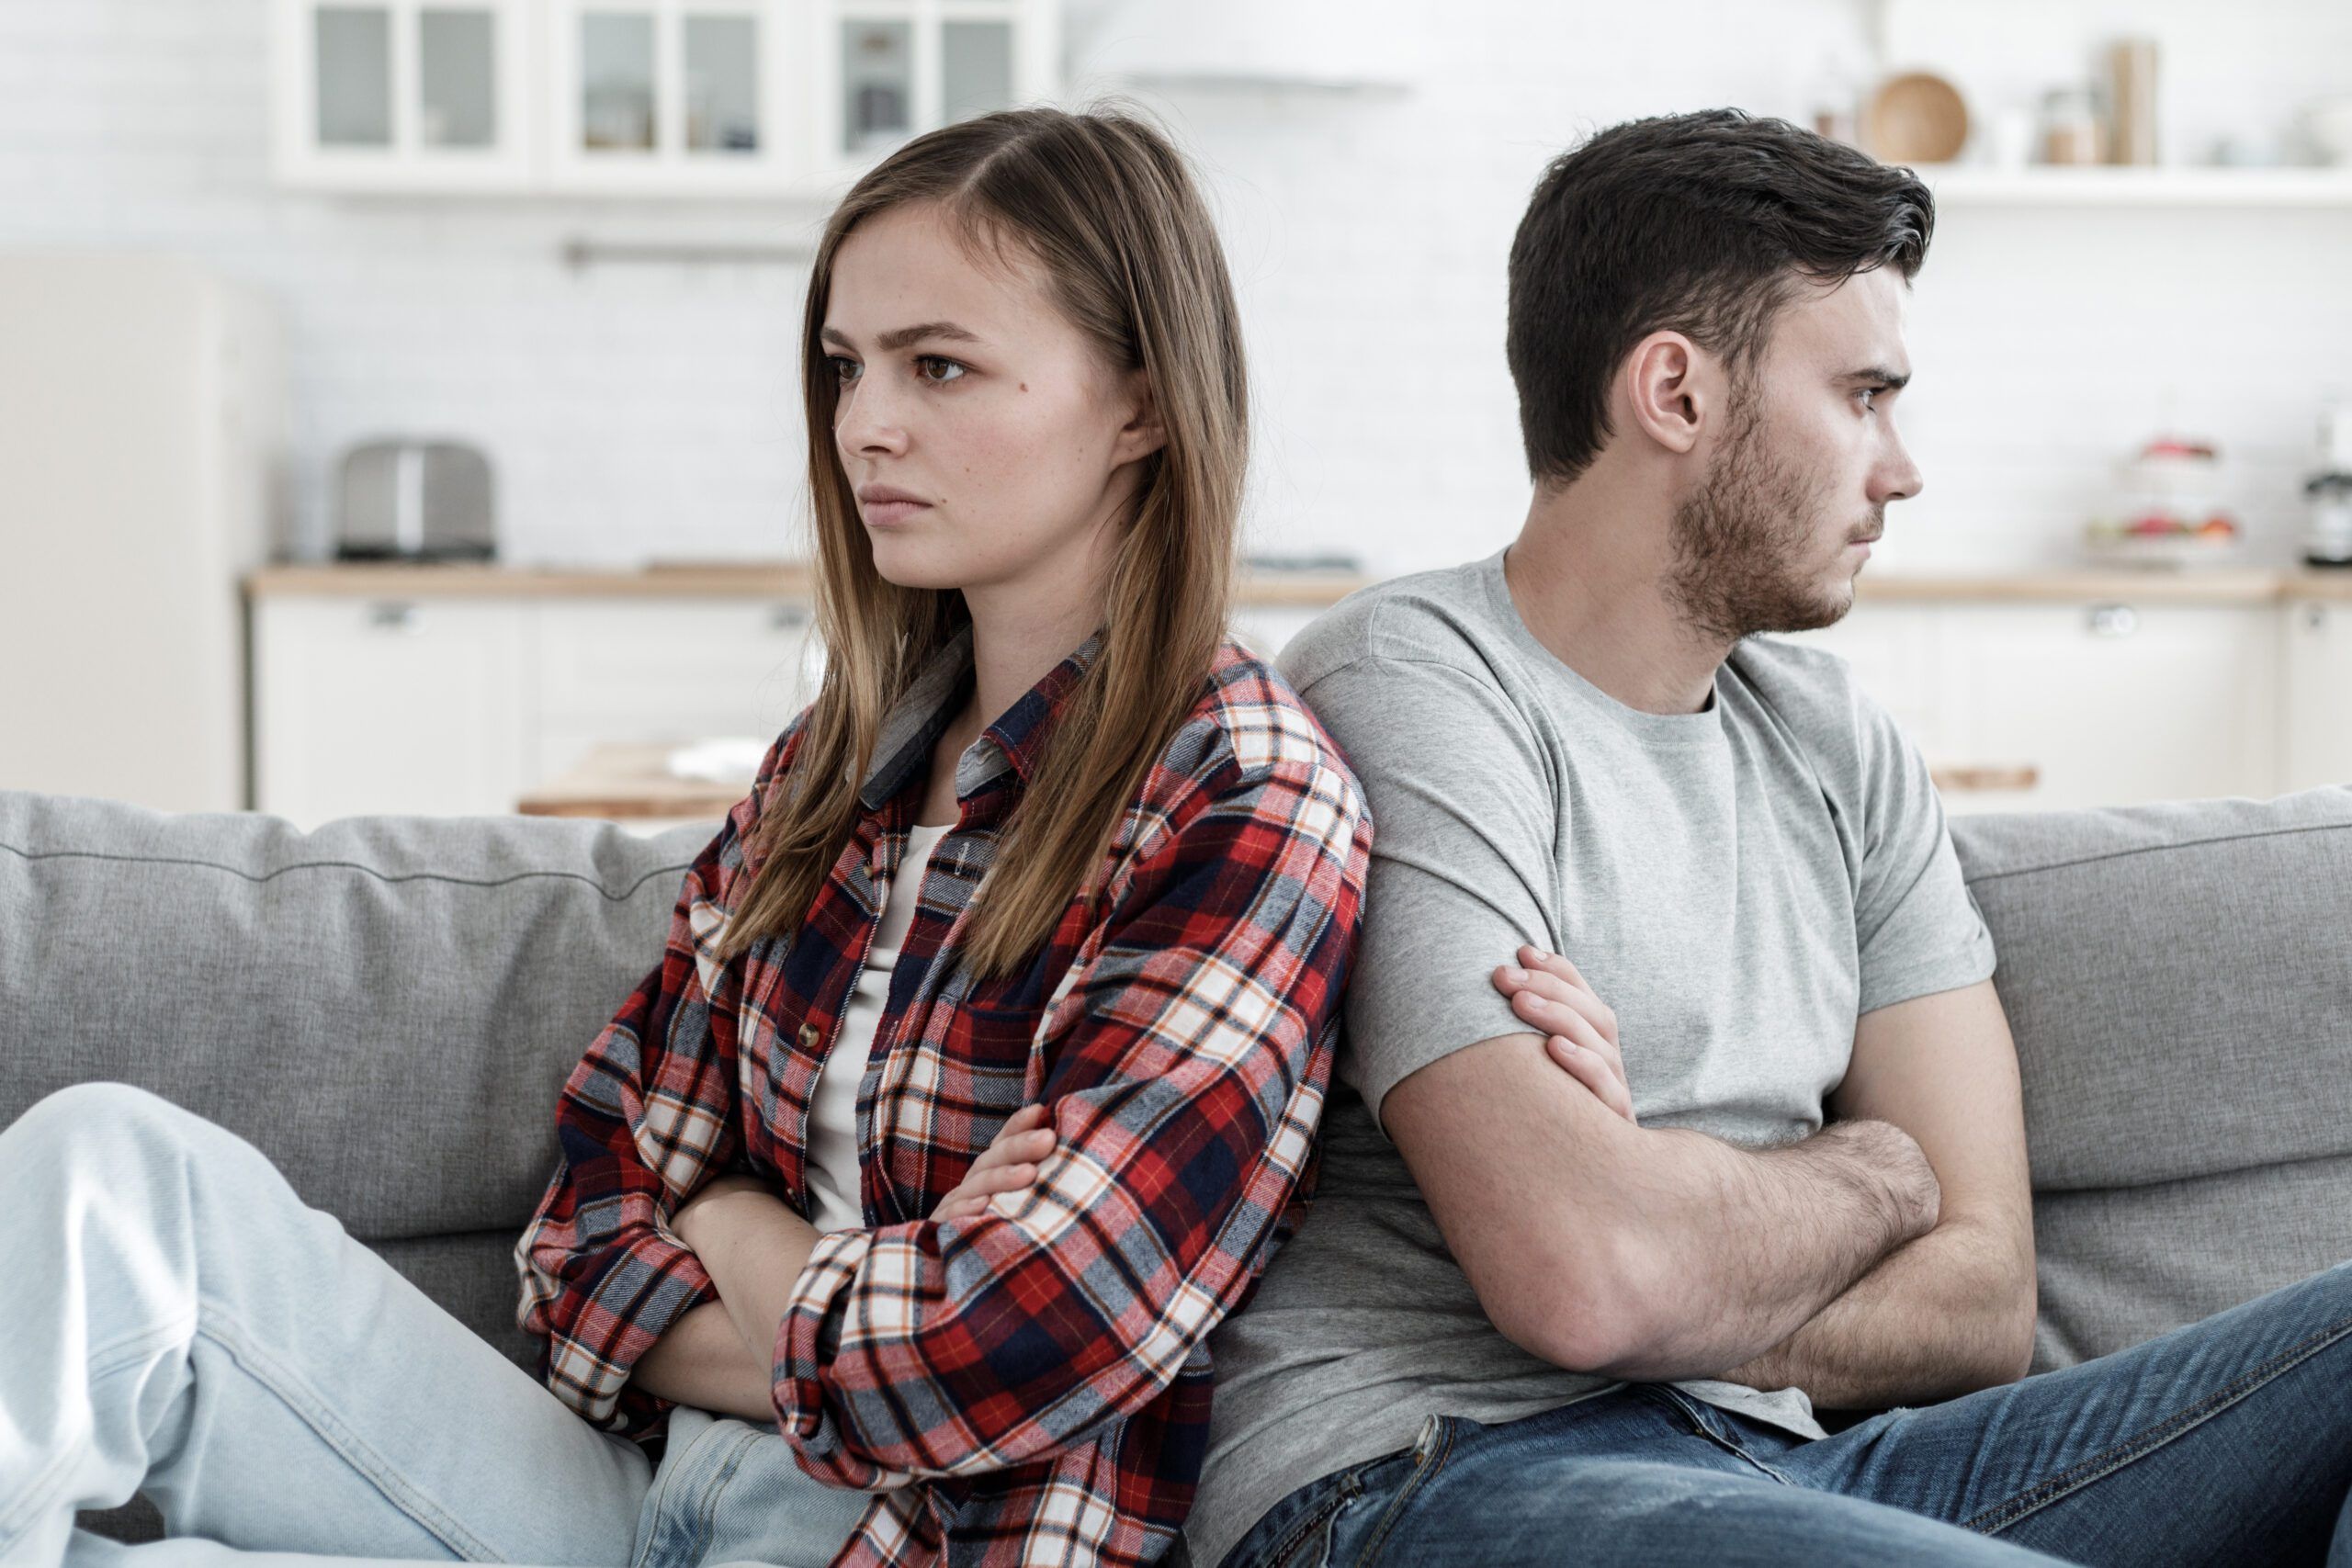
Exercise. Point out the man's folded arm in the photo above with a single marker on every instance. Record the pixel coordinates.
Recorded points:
(1953, 1311)
(1642, 1253)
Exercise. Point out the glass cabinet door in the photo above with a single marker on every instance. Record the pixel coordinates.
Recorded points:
(402, 93)
(351, 63)
(665, 96)
(906, 66)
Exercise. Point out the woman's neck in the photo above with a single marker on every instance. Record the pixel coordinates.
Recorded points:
(1022, 630)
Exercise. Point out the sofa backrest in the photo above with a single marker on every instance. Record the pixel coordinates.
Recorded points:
(2179, 977)
(388, 1005)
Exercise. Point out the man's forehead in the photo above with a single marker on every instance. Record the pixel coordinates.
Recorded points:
(1857, 322)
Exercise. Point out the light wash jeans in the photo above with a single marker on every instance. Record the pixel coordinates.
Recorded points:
(177, 1321)
(2225, 1443)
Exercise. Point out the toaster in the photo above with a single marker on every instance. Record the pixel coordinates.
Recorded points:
(414, 500)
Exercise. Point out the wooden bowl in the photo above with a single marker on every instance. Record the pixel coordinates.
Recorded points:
(1916, 118)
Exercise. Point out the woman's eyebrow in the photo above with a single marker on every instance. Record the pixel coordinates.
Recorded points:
(902, 337)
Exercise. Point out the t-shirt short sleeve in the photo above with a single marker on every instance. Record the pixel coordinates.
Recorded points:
(1462, 866)
(1917, 926)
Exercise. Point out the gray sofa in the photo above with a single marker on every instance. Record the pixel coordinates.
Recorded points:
(388, 1007)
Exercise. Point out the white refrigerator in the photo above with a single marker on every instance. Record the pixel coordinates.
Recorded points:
(142, 476)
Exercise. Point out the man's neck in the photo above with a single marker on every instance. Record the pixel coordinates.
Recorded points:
(1587, 575)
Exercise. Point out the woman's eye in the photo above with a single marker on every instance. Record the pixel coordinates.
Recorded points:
(936, 370)
(845, 369)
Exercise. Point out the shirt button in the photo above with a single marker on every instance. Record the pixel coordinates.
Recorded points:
(808, 1036)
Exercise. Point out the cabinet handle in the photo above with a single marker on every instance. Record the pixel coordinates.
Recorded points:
(393, 616)
(2114, 620)
(788, 617)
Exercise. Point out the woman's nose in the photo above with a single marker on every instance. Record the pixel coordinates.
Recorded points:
(865, 423)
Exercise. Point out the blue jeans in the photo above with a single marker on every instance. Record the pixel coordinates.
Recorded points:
(2225, 1442)
(178, 1322)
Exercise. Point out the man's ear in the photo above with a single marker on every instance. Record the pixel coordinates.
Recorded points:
(1142, 434)
(1670, 382)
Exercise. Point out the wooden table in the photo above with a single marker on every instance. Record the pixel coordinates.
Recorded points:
(630, 781)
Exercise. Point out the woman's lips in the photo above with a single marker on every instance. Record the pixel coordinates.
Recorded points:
(883, 514)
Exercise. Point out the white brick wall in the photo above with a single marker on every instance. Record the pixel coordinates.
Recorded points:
(651, 410)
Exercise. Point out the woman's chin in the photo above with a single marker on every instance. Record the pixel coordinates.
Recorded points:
(904, 567)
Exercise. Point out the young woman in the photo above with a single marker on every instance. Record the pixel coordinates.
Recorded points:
(978, 1078)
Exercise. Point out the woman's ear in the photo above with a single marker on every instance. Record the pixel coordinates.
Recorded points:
(1142, 434)
(1670, 380)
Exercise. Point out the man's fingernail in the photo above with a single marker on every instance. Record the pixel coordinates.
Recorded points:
(1514, 973)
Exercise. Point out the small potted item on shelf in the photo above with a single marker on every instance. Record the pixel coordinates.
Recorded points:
(2170, 518)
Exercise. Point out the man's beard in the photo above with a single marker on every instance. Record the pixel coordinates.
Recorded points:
(1743, 544)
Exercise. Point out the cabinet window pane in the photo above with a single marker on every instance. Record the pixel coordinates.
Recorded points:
(615, 80)
(877, 84)
(976, 68)
(723, 83)
(355, 80)
(457, 64)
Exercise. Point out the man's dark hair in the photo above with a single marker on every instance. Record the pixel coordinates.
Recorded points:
(1705, 224)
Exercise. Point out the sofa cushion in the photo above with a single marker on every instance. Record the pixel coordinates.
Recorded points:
(387, 1006)
(2178, 978)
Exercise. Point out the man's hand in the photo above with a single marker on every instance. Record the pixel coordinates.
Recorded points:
(1007, 1164)
(1580, 1030)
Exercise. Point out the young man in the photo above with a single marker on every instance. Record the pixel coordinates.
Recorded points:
(1603, 1219)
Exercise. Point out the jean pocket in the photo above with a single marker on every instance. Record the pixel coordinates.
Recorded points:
(1305, 1543)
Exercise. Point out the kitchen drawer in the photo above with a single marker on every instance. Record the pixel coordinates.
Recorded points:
(2114, 703)
(392, 706)
(630, 670)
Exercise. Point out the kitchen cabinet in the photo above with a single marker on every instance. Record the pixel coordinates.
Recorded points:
(613, 670)
(2114, 703)
(436, 705)
(2100, 702)
(638, 97)
(461, 689)
(399, 95)
(398, 705)
(2316, 746)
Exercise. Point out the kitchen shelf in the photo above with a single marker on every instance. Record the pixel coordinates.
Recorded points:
(2115, 186)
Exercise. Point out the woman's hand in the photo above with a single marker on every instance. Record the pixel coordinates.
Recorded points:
(1007, 1164)
(1580, 1030)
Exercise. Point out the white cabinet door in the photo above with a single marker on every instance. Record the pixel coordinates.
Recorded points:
(891, 69)
(2112, 704)
(400, 707)
(2316, 748)
(678, 96)
(666, 669)
(404, 94)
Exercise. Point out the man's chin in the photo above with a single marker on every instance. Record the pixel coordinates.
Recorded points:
(1831, 607)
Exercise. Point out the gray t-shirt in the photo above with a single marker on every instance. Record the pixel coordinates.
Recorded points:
(1739, 884)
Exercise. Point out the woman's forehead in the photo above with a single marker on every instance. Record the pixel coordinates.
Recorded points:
(912, 266)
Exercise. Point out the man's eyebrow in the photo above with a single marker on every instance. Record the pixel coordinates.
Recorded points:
(1894, 380)
(902, 337)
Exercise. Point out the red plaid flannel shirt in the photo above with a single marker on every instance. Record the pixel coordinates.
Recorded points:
(1030, 1386)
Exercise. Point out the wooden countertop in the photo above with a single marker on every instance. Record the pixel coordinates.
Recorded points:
(2193, 585)
(778, 580)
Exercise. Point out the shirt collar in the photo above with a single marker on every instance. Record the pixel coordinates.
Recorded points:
(1014, 741)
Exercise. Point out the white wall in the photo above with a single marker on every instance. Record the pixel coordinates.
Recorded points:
(637, 411)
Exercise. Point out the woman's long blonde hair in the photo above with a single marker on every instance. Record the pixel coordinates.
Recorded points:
(1105, 206)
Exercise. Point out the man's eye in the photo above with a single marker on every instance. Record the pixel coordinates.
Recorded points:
(845, 369)
(936, 368)
(1870, 396)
